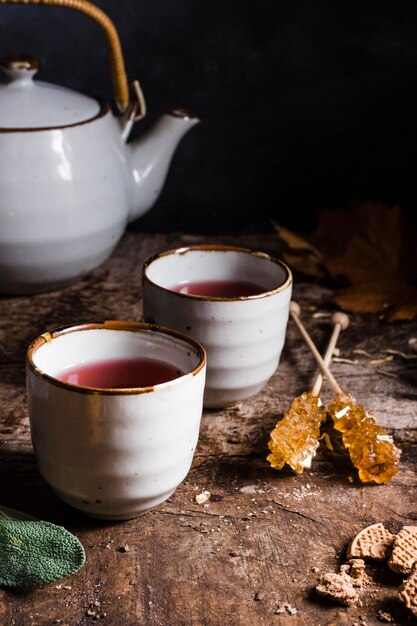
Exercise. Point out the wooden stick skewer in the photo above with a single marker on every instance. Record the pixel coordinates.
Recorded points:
(340, 322)
(295, 312)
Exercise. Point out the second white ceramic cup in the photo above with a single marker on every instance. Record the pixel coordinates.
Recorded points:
(243, 336)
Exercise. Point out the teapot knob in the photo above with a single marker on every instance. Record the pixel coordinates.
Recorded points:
(19, 70)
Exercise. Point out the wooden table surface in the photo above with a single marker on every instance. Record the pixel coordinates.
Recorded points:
(265, 536)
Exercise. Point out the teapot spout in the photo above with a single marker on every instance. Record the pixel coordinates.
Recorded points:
(151, 156)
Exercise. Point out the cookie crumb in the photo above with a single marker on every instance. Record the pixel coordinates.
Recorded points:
(337, 587)
(386, 617)
(285, 607)
(203, 497)
(280, 608)
(357, 572)
(124, 548)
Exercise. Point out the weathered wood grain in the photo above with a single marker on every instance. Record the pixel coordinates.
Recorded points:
(265, 536)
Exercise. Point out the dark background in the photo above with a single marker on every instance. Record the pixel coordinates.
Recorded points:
(305, 104)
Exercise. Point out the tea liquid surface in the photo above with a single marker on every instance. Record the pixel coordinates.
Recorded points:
(121, 373)
(220, 288)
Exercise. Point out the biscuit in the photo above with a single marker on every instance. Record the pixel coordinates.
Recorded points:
(404, 552)
(373, 542)
(407, 593)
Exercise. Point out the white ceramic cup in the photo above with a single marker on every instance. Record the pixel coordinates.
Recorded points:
(114, 453)
(243, 336)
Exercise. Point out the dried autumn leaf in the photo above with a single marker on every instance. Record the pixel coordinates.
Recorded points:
(370, 247)
(301, 254)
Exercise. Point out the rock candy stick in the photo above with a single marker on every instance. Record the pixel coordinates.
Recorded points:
(295, 438)
(371, 450)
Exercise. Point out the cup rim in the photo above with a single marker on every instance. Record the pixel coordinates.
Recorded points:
(218, 248)
(110, 325)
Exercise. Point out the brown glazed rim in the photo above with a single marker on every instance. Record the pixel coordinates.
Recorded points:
(218, 248)
(103, 110)
(109, 325)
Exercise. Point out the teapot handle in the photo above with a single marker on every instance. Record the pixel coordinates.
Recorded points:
(117, 66)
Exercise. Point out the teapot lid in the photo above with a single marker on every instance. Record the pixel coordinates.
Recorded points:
(29, 104)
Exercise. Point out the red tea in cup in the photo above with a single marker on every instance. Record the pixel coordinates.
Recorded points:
(121, 373)
(220, 288)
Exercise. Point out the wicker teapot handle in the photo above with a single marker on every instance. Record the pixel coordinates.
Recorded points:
(117, 66)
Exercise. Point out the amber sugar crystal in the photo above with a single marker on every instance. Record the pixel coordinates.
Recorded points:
(295, 438)
(371, 450)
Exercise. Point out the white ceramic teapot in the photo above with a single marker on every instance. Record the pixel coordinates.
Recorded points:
(69, 182)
